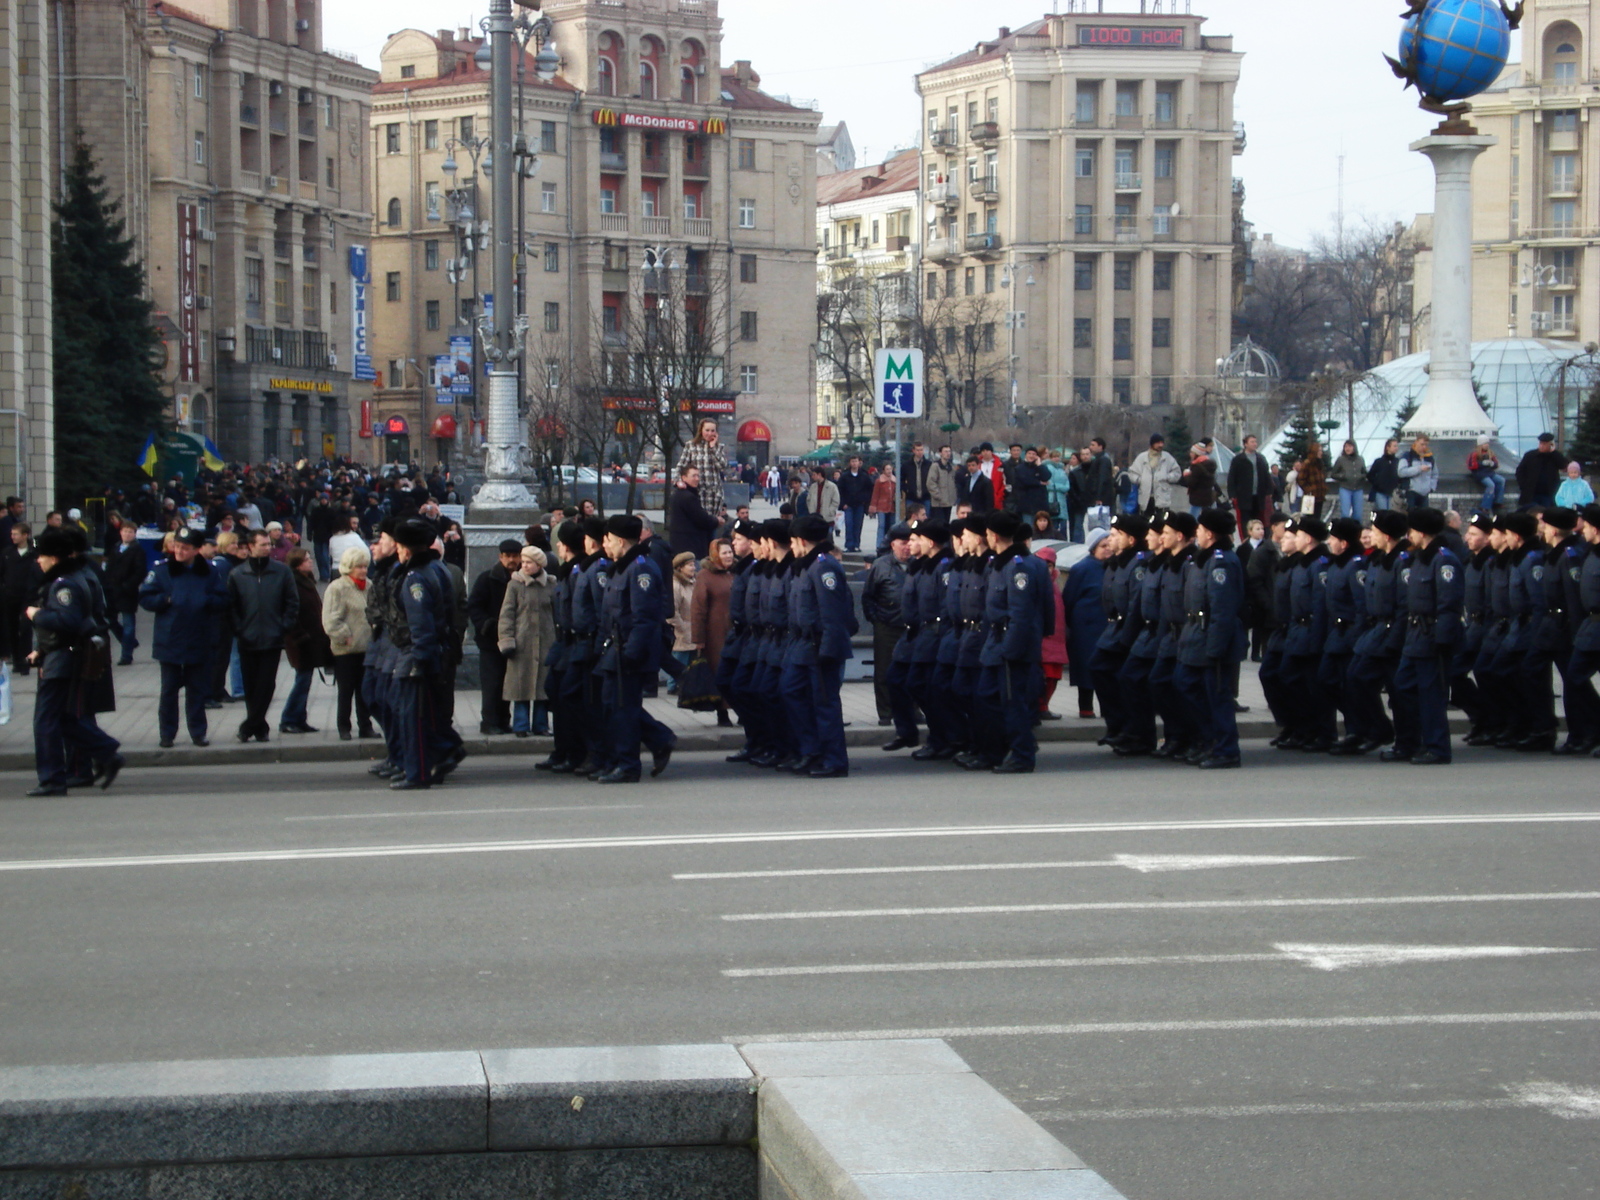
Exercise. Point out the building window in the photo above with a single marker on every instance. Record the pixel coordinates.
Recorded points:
(1561, 320)
(391, 286)
(992, 110)
(1083, 162)
(1564, 121)
(749, 379)
(552, 257)
(330, 172)
(747, 268)
(691, 205)
(1160, 390)
(547, 137)
(202, 286)
(747, 154)
(310, 296)
(606, 75)
(1082, 390)
(252, 281)
(1127, 100)
(747, 326)
(430, 135)
(283, 310)
(393, 214)
(198, 74)
(647, 80)
(1083, 220)
(432, 314)
(552, 374)
(432, 199)
(969, 282)
(747, 214)
(1122, 274)
(950, 276)
(469, 311)
(1122, 390)
(1563, 215)
(608, 200)
(547, 197)
(1563, 172)
(1083, 274)
(464, 124)
(1166, 152)
(1165, 104)
(988, 279)
(1088, 98)
(408, 71)
(932, 292)
(1122, 337)
(1161, 332)
(1161, 222)
(330, 112)
(1163, 275)
(199, 149)
(391, 138)
(552, 317)
(1082, 333)
(430, 255)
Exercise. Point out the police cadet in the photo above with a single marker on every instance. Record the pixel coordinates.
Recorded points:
(1213, 637)
(186, 595)
(1465, 693)
(782, 753)
(739, 640)
(1142, 635)
(567, 753)
(1347, 574)
(634, 610)
(1315, 721)
(1124, 572)
(1533, 725)
(1583, 705)
(377, 678)
(958, 715)
(590, 576)
(421, 621)
(1552, 643)
(1271, 674)
(1178, 727)
(1019, 612)
(1432, 583)
(922, 609)
(1376, 652)
(972, 585)
(71, 648)
(823, 620)
(900, 682)
(762, 716)
(1498, 690)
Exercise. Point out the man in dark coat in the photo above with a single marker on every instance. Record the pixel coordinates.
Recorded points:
(1250, 486)
(483, 612)
(689, 526)
(264, 602)
(855, 493)
(1539, 473)
(186, 595)
(124, 572)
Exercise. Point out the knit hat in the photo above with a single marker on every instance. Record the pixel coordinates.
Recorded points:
(1094, 537)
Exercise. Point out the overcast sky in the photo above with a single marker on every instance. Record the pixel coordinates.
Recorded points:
(1313, 83)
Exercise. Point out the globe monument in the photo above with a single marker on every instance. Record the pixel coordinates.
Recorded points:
(1450, 51)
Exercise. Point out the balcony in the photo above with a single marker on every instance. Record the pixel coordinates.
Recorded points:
(696, 283)
(613, 160)
(1562, 277)
(944, 249)
(614, 222)
(697, 227)
(1564, 185)
(1127, 181)
(1239, 140)
(308, 127)
(983, 244)
(249, 115)
(985, 131)
(834, 253)
(278, 122)
(897, 243)
(696, 168)
(654, 164)
(986, 190)
(946, 194)
(656, 226)
(947, 139)
(308, 254)
(282, 249)
(612, 280)
(614, 337)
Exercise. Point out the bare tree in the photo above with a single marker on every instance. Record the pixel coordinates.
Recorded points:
(1366, 272)
(1288, 311)
(962, 344)
(859, 311)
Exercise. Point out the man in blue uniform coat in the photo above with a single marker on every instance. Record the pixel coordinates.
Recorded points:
(630, 655)
(822, 618)
(1432, 585)
(1020, 612)
(1213, 638)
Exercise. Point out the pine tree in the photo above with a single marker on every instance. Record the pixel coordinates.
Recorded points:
(1404, 415)
(1585, 445)
(108, 397)
(1301, 433)
(1179, 439)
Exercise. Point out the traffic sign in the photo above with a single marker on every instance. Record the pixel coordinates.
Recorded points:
(897, 390)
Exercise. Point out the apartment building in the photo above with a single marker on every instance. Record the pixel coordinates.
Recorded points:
(867, 277)
(647, 147)
(259, 219)
(1087, 156)
(1536, 211)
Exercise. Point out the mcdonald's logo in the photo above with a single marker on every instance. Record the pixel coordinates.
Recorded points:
(715, 125)
(605, 116)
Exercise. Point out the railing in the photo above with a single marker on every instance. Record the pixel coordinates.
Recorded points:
(659, 226)
(278, 122)
(1127, 181)
(942, 248)
(308, 127)
(983, 243)
(1572, 232)
(613, 160)
(947, 138)
(985, 131)
(1564, 185)
(697, 282)
(947, 194)
(653, 164)
(836, 252)
(1239, 139)
(698, 168)
(613, 222)
(1562, 276)
(987, 189)
(249, 115)
(697, 227)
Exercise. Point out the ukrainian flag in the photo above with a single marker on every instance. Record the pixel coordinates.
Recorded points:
(148, 457)
(210, 456)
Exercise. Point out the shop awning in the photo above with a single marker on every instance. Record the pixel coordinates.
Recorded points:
(444, 426)
(754, 431)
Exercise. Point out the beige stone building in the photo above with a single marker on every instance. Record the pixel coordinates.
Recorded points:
(258, 193)
(1087, 158)
(645, 142)
(27, 167)
(1536, 209)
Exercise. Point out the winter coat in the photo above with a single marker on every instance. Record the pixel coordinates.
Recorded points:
(1260, 579)
(527, 629)
(1414, 470)
(264, 601)
(1053, 647)
(1248, 484)
(682, 594)
(1099, 481)
(822, 499)
(344, 617)
(689, 524)
(1155, 480)
(1539, 474)
(942, 485)
(1312, 476)
(186, 601)
(713, 464)
(306, 646)
(1200, 481)
(484, 604)
(124, 573)
(1349, 472)
(1030, 489)
(708, 612)
(1085, 617)
(1060, 486)
(1384, 474)
(882, 496)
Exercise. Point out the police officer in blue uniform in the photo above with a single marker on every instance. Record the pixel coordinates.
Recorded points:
(973, 586)
(782, 754)
(1376, 652)
(1271, 672)
(1315, 720)
(1178, 726)
(1019, 612)
(1213, 638)
(762, 712)
(1142, 636)
(1499, 692)
(421, 623)
(922, 603)
(567, 753)
(633, 612)
(1464, 690)
(1124, 570)
(590, 577)
(71, 648)
(1433, 584)
(958, 714)
(187, 596)
(822, 618)
(1583, 704)
(377, 679)
(735, 644)
(1343, 595)
(1552, 641)
(1533, 718)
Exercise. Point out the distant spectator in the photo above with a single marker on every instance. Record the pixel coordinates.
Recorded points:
(1539, 473)
(1484, 468)
(1574, 491)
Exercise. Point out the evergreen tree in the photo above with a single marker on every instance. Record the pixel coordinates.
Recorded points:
(1585, 445)
(1301, 433)
(1405, 414)
(108, 397)
(1179, 439)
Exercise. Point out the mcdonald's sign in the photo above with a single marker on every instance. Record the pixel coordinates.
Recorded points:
(715, 125)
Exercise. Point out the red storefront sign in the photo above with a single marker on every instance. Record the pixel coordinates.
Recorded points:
(627, 120)
(366, 419)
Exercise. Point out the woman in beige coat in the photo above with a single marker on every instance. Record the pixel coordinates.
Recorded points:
(344, 619)
(527, 629)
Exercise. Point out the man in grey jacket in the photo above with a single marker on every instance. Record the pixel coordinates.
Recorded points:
(264, 604)
(822, 495)
(942, 485)
(1156, 474)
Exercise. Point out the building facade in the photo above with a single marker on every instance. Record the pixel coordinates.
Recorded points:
(647, 146)
(258, 216)
(1536, 209)
(1086, 158)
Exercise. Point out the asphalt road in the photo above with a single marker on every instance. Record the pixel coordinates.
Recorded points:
(1408, 1010)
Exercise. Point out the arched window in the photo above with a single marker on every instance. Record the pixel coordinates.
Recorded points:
(199, 412)
(686, 90)
(606, 75)
(1566, 48)
(394, 211)
(647, 80)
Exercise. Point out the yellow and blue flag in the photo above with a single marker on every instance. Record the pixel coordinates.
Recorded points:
(148, 457)
(210, 456)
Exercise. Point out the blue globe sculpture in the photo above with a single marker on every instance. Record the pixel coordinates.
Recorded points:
(1455, 49)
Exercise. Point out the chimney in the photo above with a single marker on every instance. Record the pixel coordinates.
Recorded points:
(1005, 32)
(463, 34)
(743, 73)
(446, 37)
(883, 168)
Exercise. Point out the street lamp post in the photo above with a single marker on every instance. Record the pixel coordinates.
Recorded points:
(469, 231)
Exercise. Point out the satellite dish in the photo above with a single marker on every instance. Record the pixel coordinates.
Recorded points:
(1172, 208)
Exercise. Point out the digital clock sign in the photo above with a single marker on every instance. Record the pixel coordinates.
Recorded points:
(1144, 37)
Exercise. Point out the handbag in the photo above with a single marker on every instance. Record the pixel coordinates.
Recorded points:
(697, 686)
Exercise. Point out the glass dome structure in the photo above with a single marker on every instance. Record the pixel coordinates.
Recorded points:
(1519, 378)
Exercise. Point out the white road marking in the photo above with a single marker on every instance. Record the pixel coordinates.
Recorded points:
(790, 836)
(1574, 1104)
(986, 910)
(1325, 958)
(1337, 958)
(465, 812)
(1239, 1026)
(1224, 1111)
(1136, 862)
